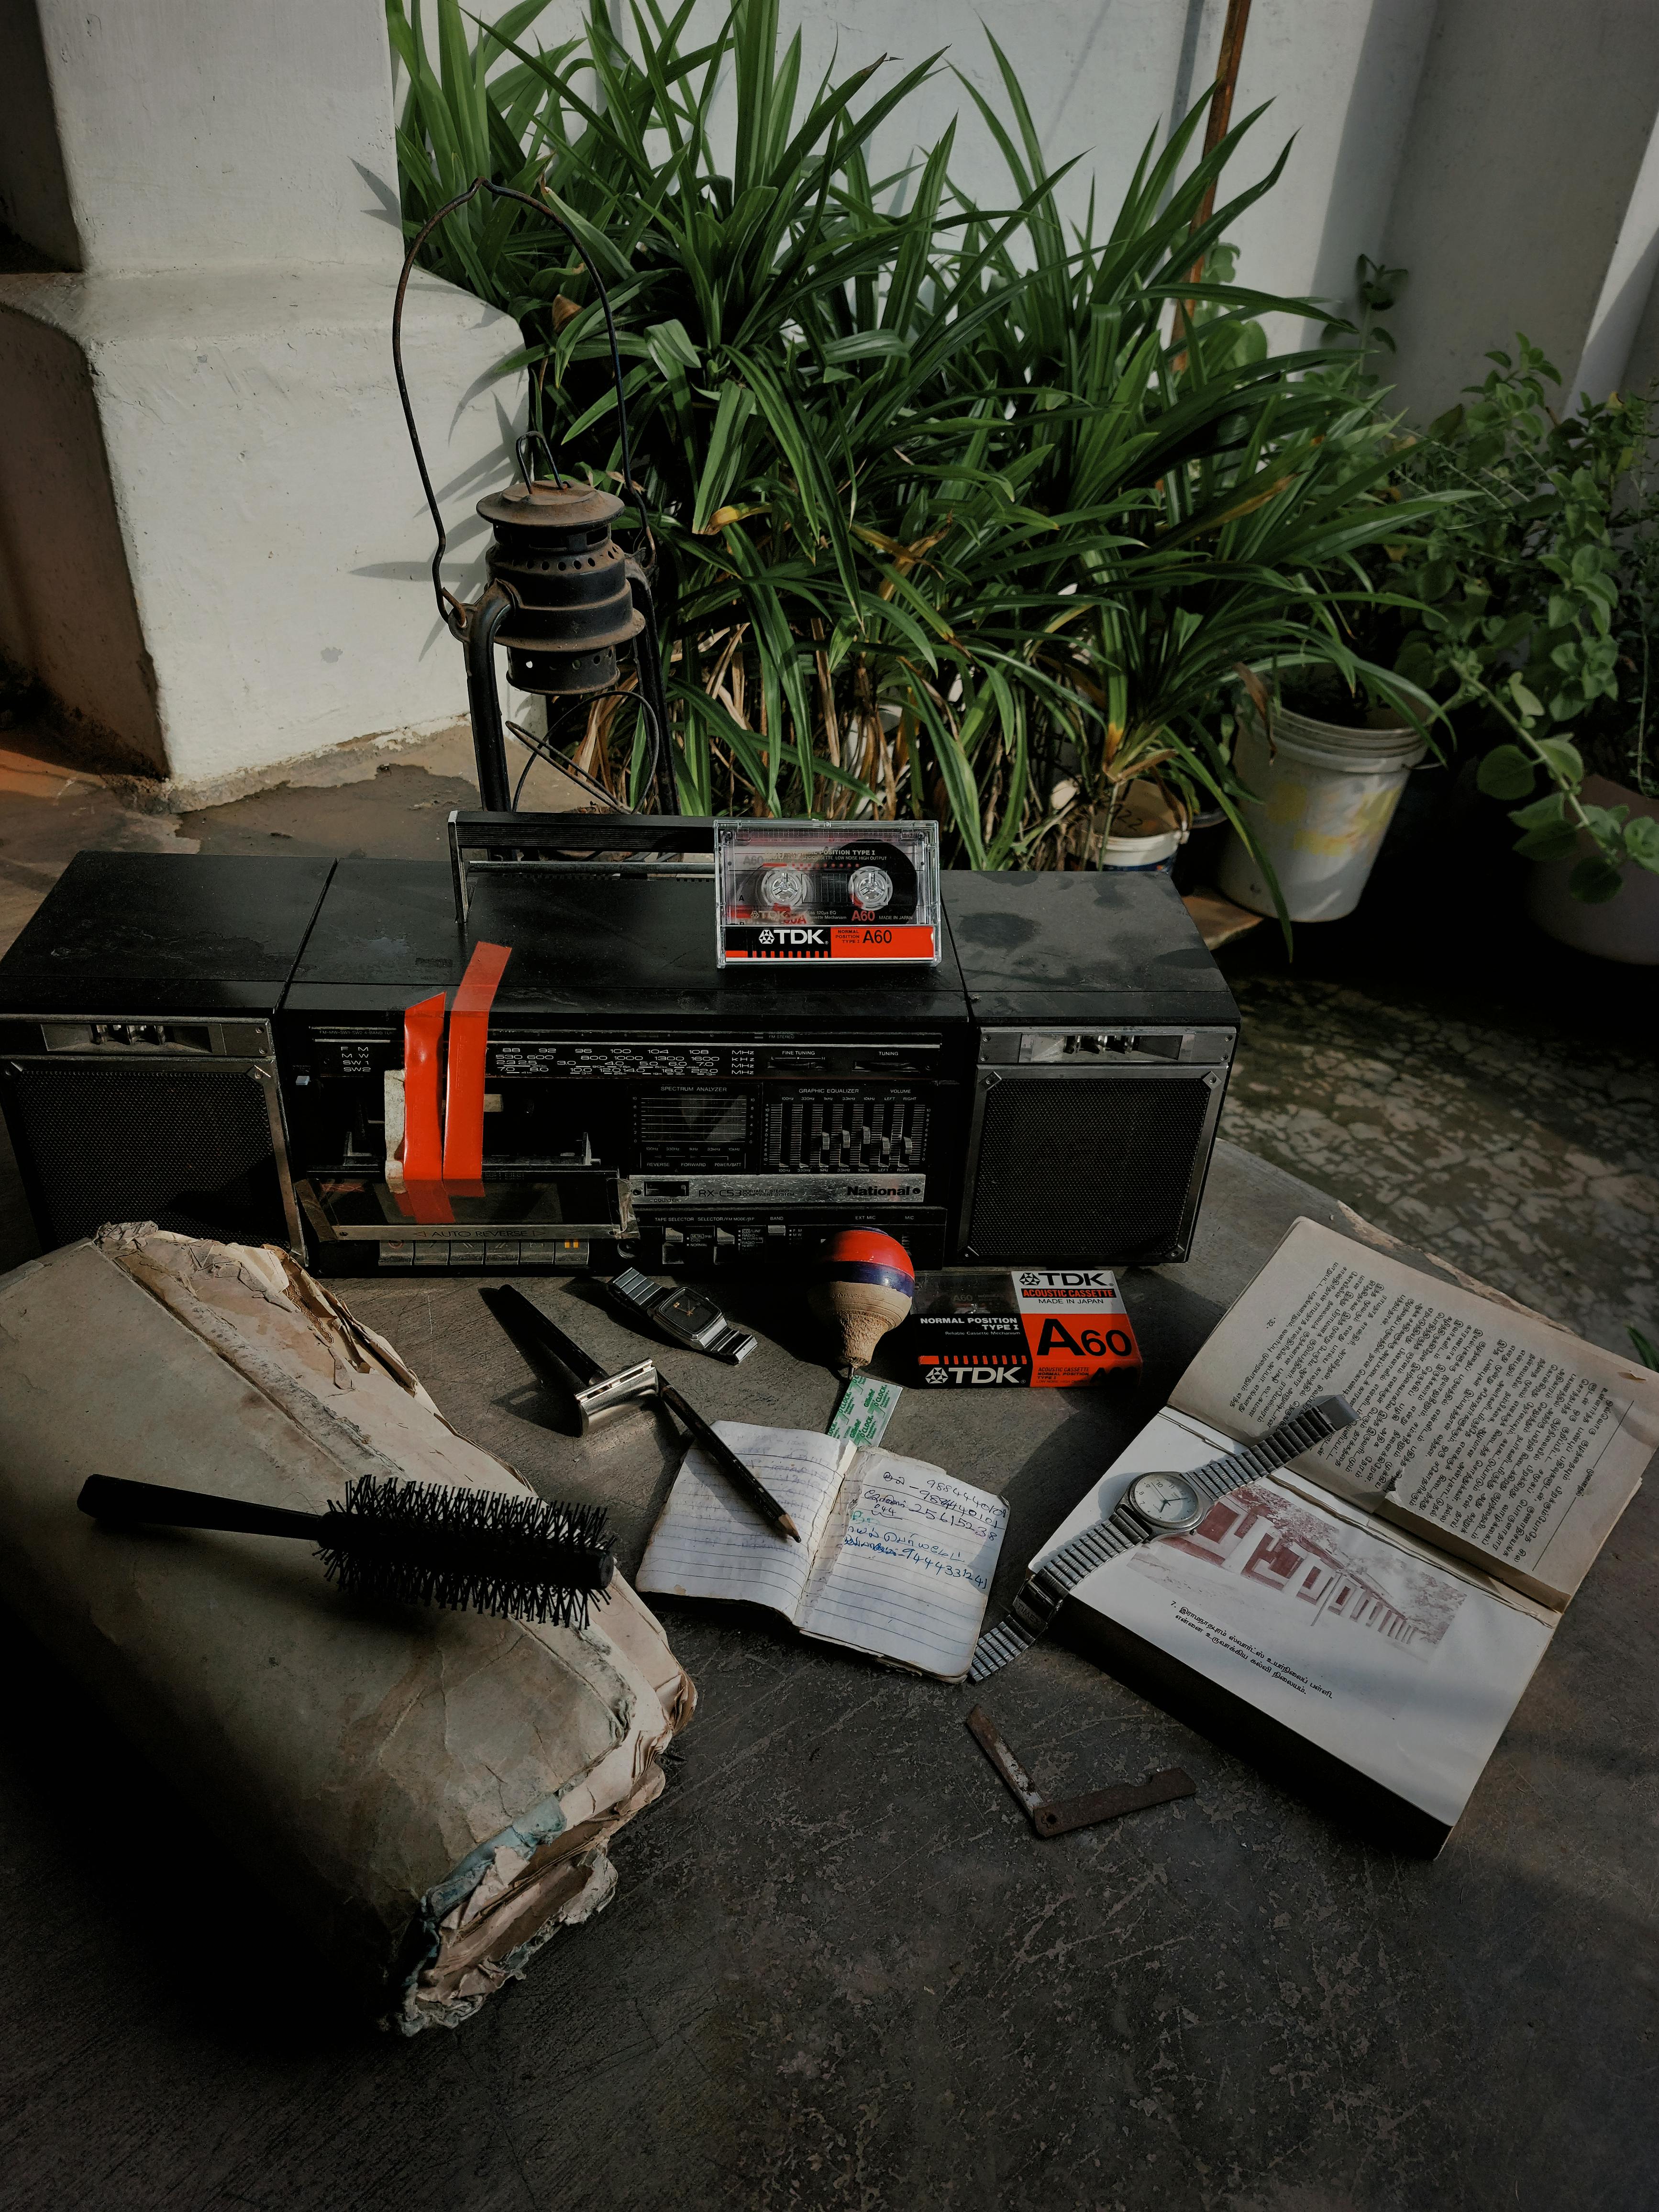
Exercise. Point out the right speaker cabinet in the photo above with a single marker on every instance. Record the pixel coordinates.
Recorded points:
(1097, 1164)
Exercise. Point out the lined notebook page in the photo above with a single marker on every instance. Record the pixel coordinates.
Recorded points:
(707, 1542)
(907, 1564)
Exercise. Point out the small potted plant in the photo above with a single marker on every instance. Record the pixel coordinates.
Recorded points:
(1538, 589)
(1596, 858)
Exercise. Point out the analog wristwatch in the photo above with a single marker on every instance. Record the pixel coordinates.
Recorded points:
(1157, 1504)
(685, 1316)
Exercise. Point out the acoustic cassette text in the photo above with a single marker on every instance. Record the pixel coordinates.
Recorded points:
(1076, 1325)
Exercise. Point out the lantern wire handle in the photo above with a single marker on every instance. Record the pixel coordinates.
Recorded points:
(521, 447)
(452, 611)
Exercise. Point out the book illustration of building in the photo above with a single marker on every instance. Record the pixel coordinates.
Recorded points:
(1326, 1571)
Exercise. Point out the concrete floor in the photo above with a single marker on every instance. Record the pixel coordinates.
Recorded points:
(840, 1973)
(1441, 1066)
(1531, 1164)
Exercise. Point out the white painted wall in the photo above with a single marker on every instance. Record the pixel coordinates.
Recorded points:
(268, 509)
(1342, 77)
(1098, 76)
(1527, 143)
(1495, 148)
(207, 133)
(1610, 351)
(1338, 79)
(213, 545)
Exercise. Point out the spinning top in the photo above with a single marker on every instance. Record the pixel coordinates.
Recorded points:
(862, 1283)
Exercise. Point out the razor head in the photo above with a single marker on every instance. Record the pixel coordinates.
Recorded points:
(613, 1394)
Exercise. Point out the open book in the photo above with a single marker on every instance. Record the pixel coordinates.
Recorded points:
(1371, 1618)
(895, 1557)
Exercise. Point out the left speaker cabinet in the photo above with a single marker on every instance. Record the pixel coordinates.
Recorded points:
(175, 1121)
(137, 1053)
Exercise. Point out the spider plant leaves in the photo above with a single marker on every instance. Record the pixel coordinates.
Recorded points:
(958, 503)
(723, 458)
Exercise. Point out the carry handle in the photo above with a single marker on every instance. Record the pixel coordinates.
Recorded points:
(477, 828)
(112, 1497)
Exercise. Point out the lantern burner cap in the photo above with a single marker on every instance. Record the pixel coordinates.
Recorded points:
(548, 506)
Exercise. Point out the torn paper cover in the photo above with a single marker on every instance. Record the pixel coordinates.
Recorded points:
(431, 1794)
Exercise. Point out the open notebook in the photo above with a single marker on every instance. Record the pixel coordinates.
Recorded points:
(1368, 1620)
(895, 1557)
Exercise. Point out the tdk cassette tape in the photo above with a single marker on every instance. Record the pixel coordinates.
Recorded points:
(818, 890)
(1044, 1328)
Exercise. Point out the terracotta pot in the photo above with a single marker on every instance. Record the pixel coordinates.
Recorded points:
(1623, 928)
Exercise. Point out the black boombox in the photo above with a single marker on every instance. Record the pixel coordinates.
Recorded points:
(222, 1045)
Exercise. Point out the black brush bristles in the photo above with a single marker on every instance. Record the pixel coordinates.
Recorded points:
(479, 1550)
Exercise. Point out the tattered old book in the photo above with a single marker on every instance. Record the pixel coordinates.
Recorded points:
(1366, 1622)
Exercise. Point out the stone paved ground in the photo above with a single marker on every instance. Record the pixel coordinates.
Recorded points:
(1530, 1161)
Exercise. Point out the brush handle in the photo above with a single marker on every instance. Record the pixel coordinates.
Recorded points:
(522, 1321)
(112, 1497)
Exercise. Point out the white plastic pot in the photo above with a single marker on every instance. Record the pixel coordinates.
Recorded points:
(1145, 831)
(1623, 928)
(1143, 852)
(1327, 794)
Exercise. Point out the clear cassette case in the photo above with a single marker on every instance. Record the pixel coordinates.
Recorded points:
(827, 890)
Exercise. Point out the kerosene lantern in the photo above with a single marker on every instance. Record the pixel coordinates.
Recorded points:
(562, 595)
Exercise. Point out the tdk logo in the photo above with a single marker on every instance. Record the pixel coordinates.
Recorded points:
(977, 1377)
(1062, 1278)
(818, 938)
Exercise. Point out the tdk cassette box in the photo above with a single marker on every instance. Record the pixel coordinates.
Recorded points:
(1042, 1328)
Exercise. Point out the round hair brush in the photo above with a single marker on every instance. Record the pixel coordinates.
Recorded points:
(410, 1543)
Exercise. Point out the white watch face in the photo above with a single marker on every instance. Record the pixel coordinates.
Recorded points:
(1168, 1501)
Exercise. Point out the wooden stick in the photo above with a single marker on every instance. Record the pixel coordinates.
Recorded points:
(1215, 129)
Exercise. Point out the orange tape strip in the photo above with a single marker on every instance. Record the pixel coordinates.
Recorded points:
(468, 1036)
(423, 1036)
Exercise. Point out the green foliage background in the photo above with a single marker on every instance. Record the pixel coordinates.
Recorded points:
(957, 511)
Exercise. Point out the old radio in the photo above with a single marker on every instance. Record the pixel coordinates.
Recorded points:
(1047, 1093)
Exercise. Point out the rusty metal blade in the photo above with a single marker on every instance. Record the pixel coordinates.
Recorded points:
(1018, 1781)
(1059, 1819)
(1094, 1805)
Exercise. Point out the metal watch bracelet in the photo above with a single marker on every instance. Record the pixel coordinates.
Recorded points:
(1124, 1527)
(667, 1308)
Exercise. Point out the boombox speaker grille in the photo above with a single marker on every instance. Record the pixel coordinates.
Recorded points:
(1051, 1183)
(188, 1148)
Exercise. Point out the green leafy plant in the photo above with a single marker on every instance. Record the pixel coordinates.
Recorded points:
(1522, 601)
(956, 511)
(1376, 289)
